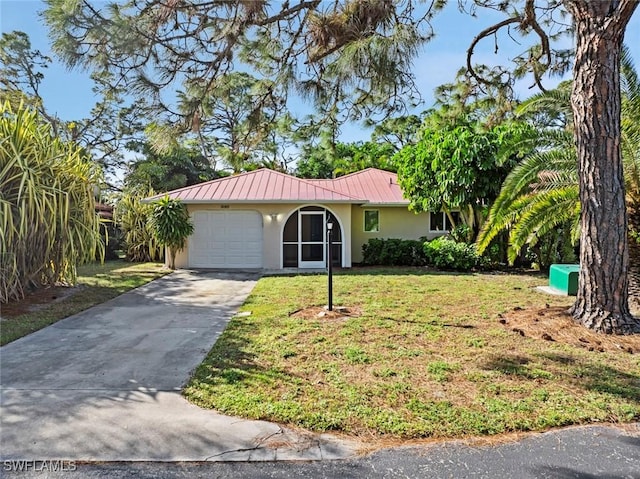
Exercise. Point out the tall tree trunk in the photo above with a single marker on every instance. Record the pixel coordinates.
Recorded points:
(602, 301)
(634, 256)
(172, 258)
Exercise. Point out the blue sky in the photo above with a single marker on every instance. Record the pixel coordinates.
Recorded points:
(68, 93)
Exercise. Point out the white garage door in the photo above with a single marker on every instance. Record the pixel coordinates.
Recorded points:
(226, 239)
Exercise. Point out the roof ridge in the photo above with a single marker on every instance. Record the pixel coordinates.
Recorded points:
(307, 181)
(208, 182)
(248, 173)
(304, 180)
(353, 173)
(359, 172)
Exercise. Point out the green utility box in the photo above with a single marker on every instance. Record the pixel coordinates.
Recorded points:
(564, 278)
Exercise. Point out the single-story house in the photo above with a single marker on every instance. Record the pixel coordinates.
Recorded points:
(271, 220)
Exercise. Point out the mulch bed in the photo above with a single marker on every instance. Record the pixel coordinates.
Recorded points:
(556, 324)
(339, 313)
(37, 300)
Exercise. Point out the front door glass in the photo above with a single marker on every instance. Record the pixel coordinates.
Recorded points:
(312, 239)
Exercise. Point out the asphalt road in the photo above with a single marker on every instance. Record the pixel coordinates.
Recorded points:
(580, 452)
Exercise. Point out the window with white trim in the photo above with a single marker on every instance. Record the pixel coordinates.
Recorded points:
(439, 222)
(371, 221)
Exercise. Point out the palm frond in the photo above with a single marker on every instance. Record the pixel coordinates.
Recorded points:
(543, 212)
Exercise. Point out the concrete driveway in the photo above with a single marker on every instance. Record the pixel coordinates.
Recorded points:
(104, 385)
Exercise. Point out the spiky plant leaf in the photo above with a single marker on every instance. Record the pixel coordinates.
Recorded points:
(48, 223)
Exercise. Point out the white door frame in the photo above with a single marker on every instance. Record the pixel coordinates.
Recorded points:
(312, 264)
(298, 211)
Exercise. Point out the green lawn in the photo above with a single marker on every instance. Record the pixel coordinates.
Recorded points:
(96, 284)
(427, 357)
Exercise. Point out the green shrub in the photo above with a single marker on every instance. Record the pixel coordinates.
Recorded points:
(48, 222)
(445, 253)
(555, 246)
(132, 217)
(461, 233)
(393, 252)
(372, 250)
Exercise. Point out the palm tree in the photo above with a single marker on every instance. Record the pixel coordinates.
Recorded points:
(171, 226)
(631, 154)
(540, 196)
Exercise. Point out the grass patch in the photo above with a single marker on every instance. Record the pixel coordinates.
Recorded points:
(440, 370)
(428, 356)
(96, 284)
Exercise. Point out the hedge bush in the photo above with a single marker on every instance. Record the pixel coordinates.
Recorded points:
(393, 252)
(442, 253)
(445, 253)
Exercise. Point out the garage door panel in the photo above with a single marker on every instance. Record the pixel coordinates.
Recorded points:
(237, 248)
(226, 239)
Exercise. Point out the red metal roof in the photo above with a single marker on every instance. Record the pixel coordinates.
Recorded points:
(377, 186)
(263, 185)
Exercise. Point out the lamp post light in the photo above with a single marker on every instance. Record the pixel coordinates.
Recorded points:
(330, 264)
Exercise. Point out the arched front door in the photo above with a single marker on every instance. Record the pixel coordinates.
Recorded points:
(304, 239)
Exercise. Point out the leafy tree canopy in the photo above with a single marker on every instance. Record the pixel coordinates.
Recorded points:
(353, 56)
(397, 131)
(234, 117)
(21, 71)
(459, 166)
(352, 157)
(329, 158)
(102, 134)
(181, 166)
(343, 158)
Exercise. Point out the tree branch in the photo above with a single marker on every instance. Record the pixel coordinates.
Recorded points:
(484, 34)
(526, 20)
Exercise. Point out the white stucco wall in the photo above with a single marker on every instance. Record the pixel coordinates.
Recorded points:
(395, 222)
(273, 227)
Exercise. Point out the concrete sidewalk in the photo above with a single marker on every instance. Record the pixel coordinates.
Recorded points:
(104, 385)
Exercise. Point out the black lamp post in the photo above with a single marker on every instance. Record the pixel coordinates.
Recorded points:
(330, 264)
